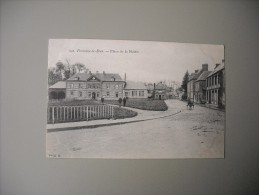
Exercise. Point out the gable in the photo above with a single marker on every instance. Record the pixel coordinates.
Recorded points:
(93, 78)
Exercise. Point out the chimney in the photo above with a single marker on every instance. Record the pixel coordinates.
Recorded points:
(216, 65)
(125, 77)
(205, 67)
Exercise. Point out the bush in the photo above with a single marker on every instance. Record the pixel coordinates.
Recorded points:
(143, 104)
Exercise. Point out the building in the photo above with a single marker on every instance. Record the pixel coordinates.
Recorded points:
(191, 82)
(200, 88)
(58, 90)
(160, 91)
(136, 90)
(215, 86)
(95, 86)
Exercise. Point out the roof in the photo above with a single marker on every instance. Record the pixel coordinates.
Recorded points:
(101, 76)
(195, 75)
(160, 86)
(217, 69)
(59, 85)
(135, 85)
(203, 76)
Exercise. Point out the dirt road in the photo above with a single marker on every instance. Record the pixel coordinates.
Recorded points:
(197, 133)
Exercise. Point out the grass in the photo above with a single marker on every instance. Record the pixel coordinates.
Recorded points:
(73, 102)
(120, 113)
(143, 104)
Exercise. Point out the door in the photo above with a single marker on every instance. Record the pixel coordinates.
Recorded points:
(93, 95)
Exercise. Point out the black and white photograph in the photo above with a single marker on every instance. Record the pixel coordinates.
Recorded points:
(122, 99)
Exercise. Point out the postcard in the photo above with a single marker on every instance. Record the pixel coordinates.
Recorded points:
(122, 99)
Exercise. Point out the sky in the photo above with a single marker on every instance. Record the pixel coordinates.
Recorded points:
(144, 61)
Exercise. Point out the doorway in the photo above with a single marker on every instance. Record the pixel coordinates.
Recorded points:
(93, 95)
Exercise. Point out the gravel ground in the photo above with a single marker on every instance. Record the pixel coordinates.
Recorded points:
(197, 133)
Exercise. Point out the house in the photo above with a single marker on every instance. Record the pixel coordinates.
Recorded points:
(58, 90)
(200, 87)
(95, 86)
(160, 91)
(215, 86)
(191, 82)
(135, 90)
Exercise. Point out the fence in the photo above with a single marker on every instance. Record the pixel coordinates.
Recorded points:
(61, 114)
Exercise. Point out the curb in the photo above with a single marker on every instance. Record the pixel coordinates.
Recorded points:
(106, 124)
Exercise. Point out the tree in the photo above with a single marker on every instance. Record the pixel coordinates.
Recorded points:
(67, 74)
(184, 85)
(52, 77)
(60, 67)
(80, 67)
(185, 81)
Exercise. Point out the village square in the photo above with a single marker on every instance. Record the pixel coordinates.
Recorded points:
(106, 115)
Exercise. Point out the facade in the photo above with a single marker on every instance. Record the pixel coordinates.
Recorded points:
(215, 86)
(58, 90)
(191, 82)
(136, 90)
(160, 91)
(200, 88)
(94, 86)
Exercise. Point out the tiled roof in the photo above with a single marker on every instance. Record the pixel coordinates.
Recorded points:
(196, 75)
(160, 86)
(203, 76)
(135, 85)
(101, 76)
(217, 69)
(59, 85)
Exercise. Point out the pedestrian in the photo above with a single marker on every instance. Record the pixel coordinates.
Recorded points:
(120, 100)
(124, 101)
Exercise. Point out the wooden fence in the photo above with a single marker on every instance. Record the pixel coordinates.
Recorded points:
(62, 114)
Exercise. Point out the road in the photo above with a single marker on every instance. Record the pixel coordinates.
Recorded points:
(197, 133)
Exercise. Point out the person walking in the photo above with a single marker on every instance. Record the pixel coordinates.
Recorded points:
(124, 101)
(120, 100)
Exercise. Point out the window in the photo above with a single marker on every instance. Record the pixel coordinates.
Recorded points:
(89, 86)
(141, 93)
(116, 86)
(80, 93)
(116, 94)
(134, 93)
(126, 93)
(89, 94)
(108, 94)
(97, 94)
(71, 92)
(107, 86)
(71, 85)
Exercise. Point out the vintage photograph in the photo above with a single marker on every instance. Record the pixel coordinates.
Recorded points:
(119, 99)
